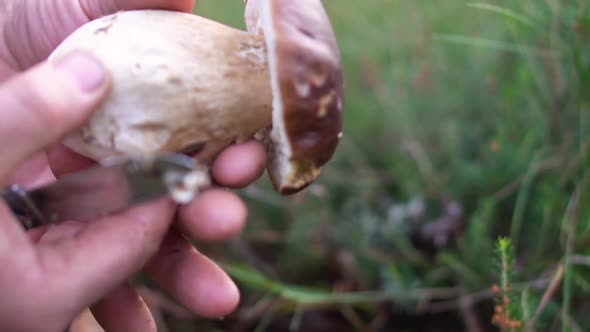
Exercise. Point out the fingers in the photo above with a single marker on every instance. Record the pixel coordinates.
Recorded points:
(239, 164)
(16, 250)
(215, 215)
(123, 310)
(97, 8)
(100, 255)
(218, 214)
(194, 280)
(34, 172)
(36, 28)
(63, 161)
(45, 103)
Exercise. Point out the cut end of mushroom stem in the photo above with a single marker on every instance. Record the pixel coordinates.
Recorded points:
(181, 81)
(184, 187)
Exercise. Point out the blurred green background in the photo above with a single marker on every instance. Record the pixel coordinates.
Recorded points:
(458, 198)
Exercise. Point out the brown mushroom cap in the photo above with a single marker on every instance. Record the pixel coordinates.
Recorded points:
(307, 85)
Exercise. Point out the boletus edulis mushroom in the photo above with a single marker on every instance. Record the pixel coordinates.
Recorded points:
(188, 84)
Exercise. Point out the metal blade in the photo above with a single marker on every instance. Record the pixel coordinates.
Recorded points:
(99, 191)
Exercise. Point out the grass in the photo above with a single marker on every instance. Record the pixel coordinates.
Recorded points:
(466, 123)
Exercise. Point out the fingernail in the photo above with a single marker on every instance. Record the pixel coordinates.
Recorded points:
(83, 69)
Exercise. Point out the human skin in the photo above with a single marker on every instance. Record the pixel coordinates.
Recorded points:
(50, 274)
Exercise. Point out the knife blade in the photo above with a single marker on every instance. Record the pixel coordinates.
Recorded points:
(106, 189)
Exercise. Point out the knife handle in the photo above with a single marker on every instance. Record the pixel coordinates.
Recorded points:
(22, 206)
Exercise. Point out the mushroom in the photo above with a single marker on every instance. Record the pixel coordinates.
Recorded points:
(184, 83)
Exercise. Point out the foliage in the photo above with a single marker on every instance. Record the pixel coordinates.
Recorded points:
(466, 145)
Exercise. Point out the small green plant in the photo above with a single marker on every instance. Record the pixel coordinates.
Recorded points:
(507, 314)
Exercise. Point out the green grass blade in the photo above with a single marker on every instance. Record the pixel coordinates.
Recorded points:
(494, 45)
(521, 203)
(505, 12)
(462, 270)
(311, 296)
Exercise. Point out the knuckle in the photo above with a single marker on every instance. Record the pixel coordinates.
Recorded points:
(147, 231)
(145, 239)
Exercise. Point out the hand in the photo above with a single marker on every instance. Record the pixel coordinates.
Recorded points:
(50, 274)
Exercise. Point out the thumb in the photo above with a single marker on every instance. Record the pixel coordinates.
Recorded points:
(44, 103)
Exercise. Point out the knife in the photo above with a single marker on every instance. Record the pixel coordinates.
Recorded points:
(106, 189)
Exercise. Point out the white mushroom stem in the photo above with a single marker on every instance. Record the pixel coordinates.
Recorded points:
(181, 83)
